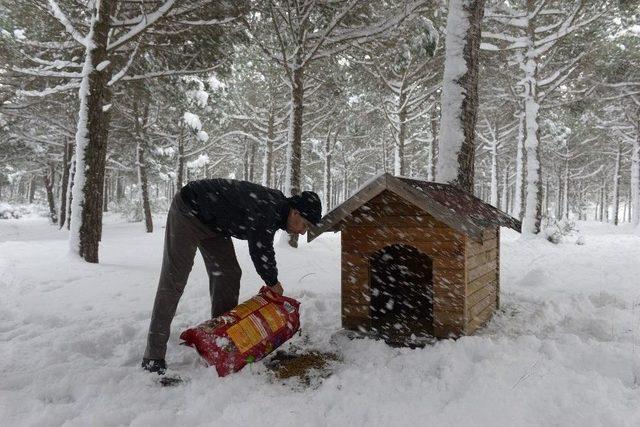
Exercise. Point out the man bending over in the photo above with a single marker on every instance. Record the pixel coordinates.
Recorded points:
(205, 215)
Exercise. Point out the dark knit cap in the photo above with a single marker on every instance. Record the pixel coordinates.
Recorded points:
(309, 205)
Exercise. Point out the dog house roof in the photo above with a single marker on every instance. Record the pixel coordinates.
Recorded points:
(457, 209)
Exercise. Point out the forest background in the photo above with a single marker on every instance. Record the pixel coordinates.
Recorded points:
(316, 95)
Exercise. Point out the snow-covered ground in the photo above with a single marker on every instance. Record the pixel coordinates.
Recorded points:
(563, 350)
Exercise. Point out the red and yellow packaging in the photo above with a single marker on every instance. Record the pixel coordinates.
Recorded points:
(246, 333)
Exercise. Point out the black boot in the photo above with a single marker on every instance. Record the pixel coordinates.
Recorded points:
(154, 365)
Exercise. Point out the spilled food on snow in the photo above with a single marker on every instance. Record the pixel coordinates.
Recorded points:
(561, 350)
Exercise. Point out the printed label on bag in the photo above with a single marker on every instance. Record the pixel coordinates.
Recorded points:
(247, 333)
(248, 307)
(273, 317)
(288, 307)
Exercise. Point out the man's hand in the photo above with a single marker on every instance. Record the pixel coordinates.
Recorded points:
(277, 288)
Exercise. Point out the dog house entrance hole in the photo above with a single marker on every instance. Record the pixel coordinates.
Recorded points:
(401, 294)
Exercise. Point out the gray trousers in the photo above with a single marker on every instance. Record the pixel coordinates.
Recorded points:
(184, 233)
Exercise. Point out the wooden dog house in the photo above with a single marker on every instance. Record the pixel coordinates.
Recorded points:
(419, 259)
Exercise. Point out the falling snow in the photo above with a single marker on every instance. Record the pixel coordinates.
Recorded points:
(560, 351)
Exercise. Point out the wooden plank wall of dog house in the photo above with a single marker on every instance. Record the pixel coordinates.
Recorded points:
(387, 220)
(355, 292)
(482, 270)
(449, 292)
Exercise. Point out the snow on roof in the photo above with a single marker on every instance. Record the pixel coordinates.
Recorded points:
(459, 210)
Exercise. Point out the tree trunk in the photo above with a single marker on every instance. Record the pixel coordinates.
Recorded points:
(91, 139)
(15, 189)
(25, 190)
(431, 173)
(22, 190)
(119, 188)
(533, 202)
(517, 209)
(581, 215)
(294, 147)
(180, 166)
(48, 178)
(598, 213)
(635, 178)
(605, 201)
(601, 212)
(141, 117)
(105, 194)
(546, 197)
(494, 173)
(276, 171)
(113, 184)
(72, 174)
(32, 188)
(267, 163)
(64, 183)
(384, 155)
(460, 94)
(252, 161)
(629, 211)
(558, 201)
(616, 186)
(565, 190)
(345, 186)
(398, 152)
(326, 175)
(245, 160)
(144, 187)
(602, 201)
(504, 199)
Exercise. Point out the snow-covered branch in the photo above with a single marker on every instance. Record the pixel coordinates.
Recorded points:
(145, 22)
(41, 72)
(222, 137)
(56, 12)
(120, 74)
(167, 73)
(49, 91)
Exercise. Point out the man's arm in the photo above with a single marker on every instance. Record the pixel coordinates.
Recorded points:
(264, 257)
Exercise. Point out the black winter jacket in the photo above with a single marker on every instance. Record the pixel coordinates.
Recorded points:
(242, 210)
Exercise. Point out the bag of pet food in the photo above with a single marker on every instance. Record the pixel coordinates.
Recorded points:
(246, 333)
